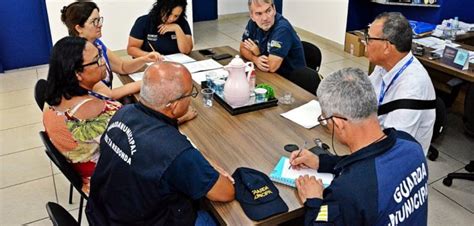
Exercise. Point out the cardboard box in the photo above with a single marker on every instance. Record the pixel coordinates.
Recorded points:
(353, 43)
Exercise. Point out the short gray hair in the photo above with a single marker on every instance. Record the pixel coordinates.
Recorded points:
(161, 91)
(397, 30)
(347, 93)
(265, 1)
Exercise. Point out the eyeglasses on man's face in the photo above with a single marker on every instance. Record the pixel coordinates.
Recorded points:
(193, 94)
(100, 62)
(97, 22)
(324, 121)
(367, 38)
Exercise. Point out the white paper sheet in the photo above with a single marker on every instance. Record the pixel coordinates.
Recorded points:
(179, 57)
(293, 174)
(434, 43)
(305, 115)
(202, 65)
(137, 76)
(428, 41)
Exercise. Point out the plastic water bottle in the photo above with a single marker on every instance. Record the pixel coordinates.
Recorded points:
(455, 28)
(456, 23)
(447, 32)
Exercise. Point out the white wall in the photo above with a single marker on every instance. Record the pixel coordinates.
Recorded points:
(231, 6)
(119, 16)
(326, 18)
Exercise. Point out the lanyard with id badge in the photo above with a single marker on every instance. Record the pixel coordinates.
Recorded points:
(383, 91)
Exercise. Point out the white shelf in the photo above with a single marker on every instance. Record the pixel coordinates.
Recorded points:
(384, 2)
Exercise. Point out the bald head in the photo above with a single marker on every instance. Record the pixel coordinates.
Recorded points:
(164, 82)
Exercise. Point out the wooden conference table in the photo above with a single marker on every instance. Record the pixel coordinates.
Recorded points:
(254, 139)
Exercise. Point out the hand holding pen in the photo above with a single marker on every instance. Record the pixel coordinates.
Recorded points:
(297, 155)
(304, 159)
(153, 56)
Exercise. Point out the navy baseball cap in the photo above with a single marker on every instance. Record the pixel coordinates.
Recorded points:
(257, 195)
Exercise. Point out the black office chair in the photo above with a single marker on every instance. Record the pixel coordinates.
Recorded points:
(60, 216)
(40, 89)
(65, 167)
(440, 123)
(450, 91)
(469, 129)
(469, 111)
(312, 55)
(305, 78)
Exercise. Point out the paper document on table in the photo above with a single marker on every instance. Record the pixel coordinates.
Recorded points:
(199, 77)
(179, 57)
(305, 115)
(435, 43)
(137, 76)
(428, 41)
(283, 173)
(203, 65)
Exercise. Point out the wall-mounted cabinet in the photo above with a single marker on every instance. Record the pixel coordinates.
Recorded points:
(386, 2)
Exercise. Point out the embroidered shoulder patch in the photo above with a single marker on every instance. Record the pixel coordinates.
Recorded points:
(275, 44)
(323, 214)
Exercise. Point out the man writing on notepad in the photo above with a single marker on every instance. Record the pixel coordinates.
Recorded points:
(269, 40)
(384, 179)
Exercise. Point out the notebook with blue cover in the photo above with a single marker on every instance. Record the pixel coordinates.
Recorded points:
(283, 175)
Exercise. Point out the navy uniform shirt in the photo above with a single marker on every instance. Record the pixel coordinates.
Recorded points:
(147, 172)
(385, 183)
(280, 40)
(165, 44)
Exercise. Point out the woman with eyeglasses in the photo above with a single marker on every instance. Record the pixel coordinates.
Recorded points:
(164, 30)
(75, 120)
(83, 19)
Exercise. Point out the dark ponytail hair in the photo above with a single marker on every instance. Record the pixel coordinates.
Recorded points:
(65, 61)
(163, 8)
(77, 13)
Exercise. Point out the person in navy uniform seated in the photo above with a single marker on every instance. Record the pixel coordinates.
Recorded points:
(165, 30)
(269, 40)
(149, 173)
(383, 181)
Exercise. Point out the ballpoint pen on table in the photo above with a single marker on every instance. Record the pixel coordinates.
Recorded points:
(299, 152)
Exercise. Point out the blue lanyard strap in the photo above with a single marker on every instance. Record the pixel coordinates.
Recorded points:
(103, 49)
(99, 96)
(383, 91)
(108, 80)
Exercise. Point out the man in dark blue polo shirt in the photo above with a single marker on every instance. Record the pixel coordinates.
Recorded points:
(384, 179)
(269, 40)
(148, 172)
